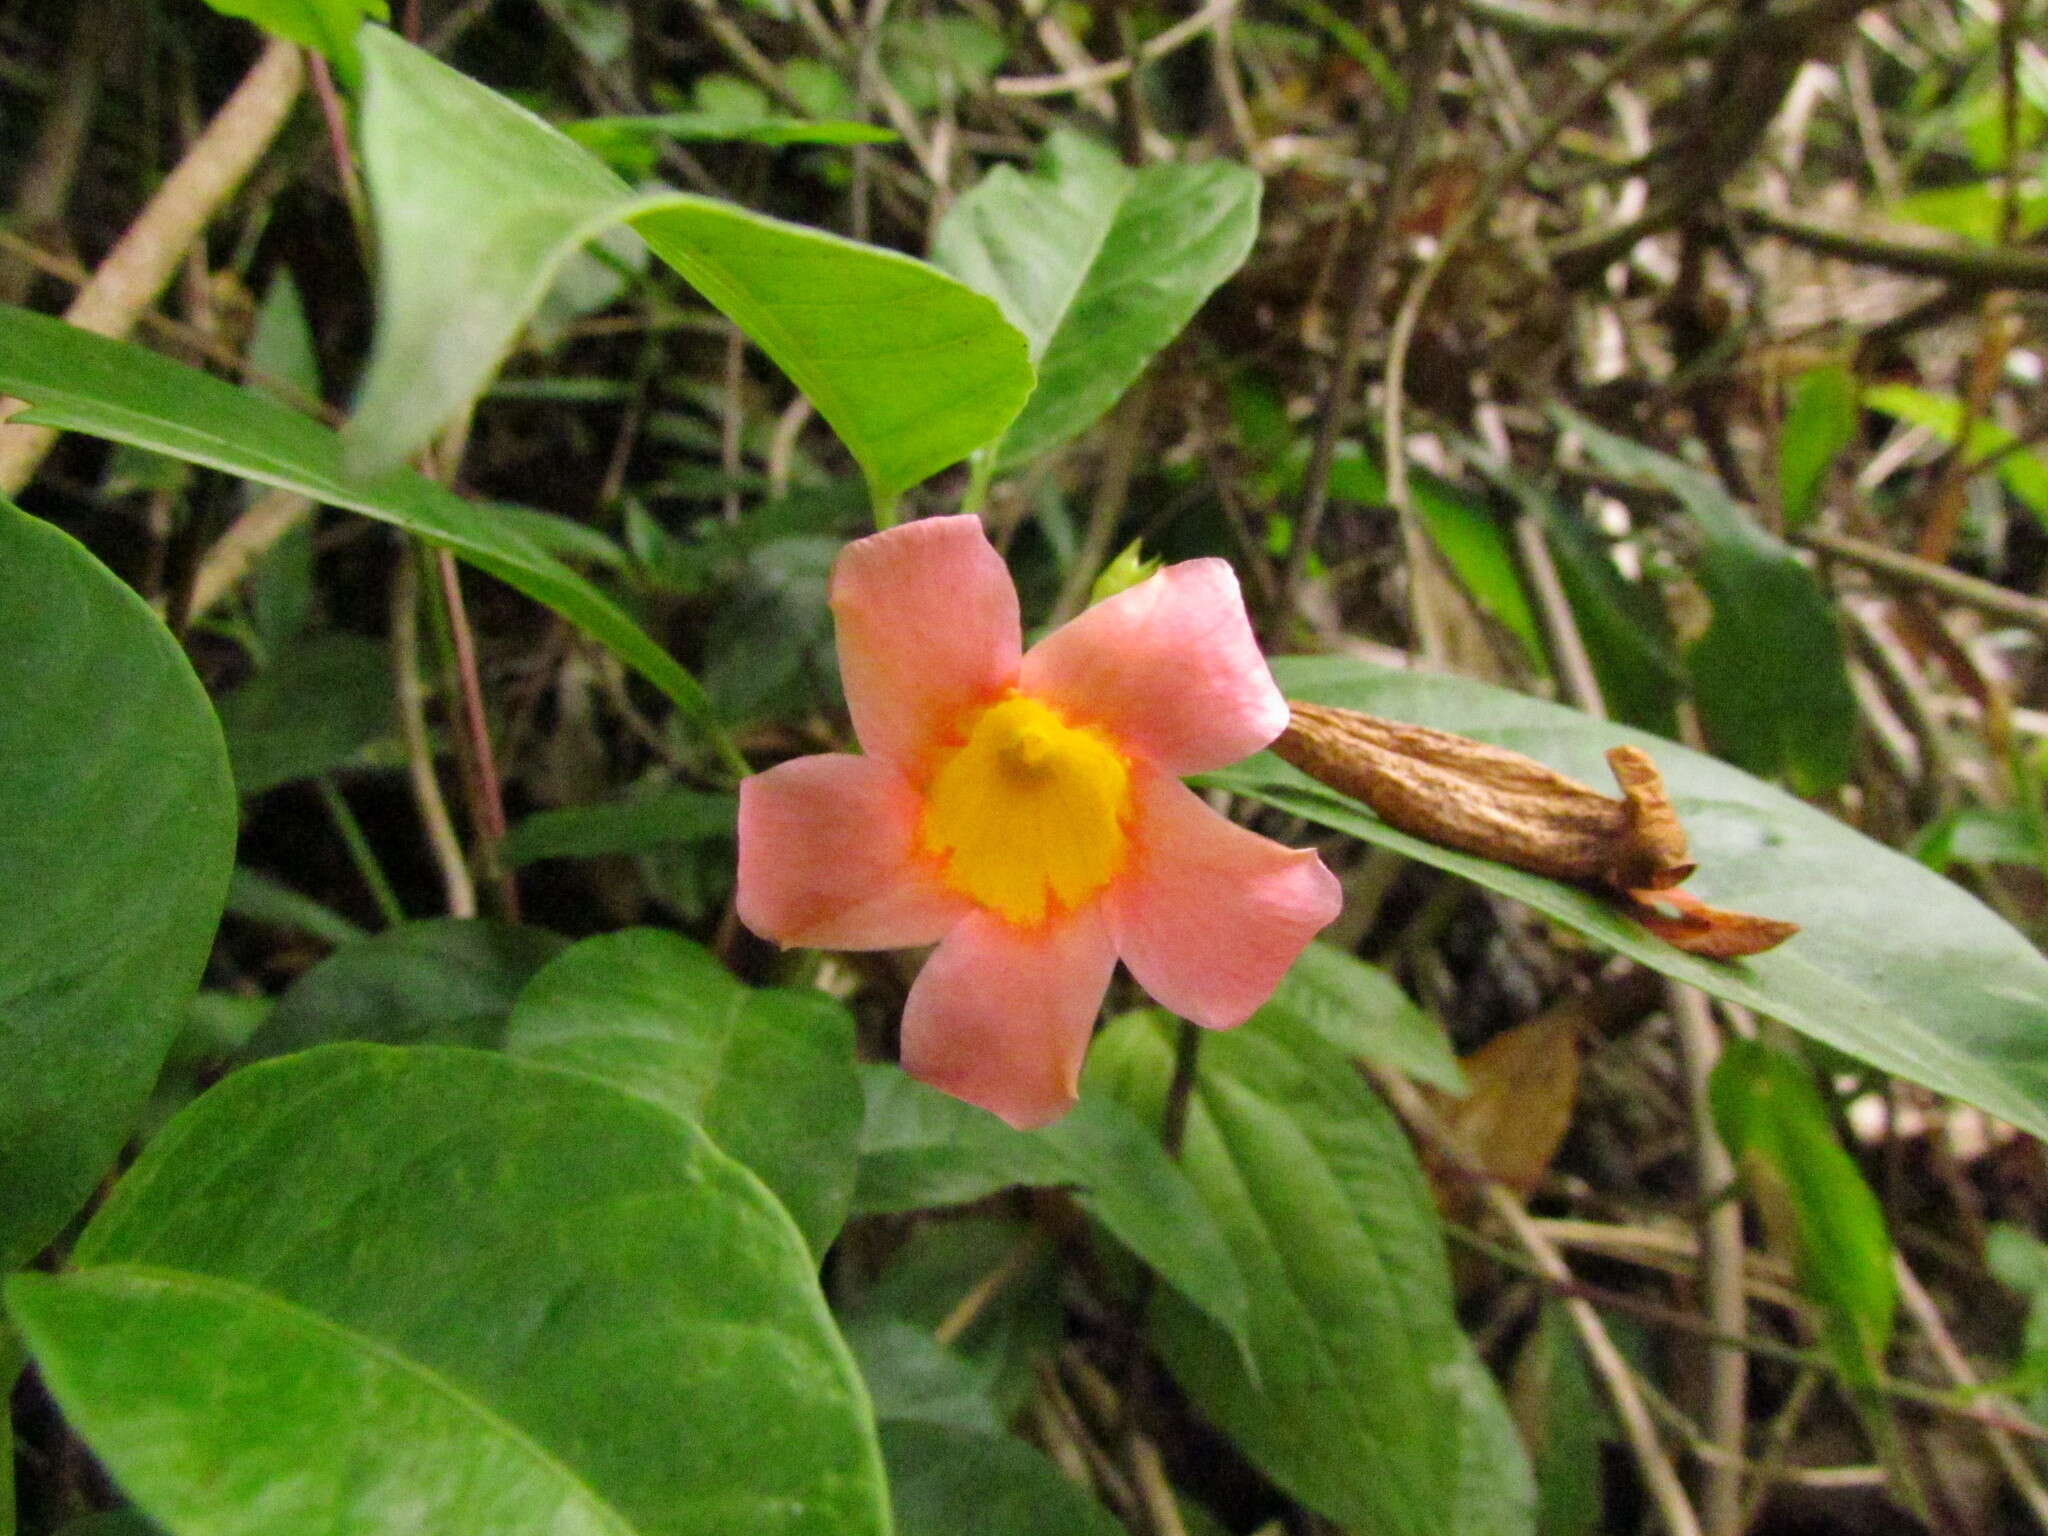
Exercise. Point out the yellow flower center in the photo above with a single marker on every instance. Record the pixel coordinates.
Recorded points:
(1028, 812)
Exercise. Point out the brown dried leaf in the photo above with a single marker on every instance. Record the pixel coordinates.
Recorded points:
(1499, 804)
(1483, 799)
(1524, 1084)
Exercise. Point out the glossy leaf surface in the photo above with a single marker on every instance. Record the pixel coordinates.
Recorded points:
(768, 1074)
(1893, 964)
(366, 1290)
(1100, 266)
(1361, 1407)
(912, 369)
(117, 837)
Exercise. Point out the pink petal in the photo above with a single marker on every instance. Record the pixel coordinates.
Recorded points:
(1170, 668)
(827, 861)
(928, 628)
(1209, 916)
(1000, 1016)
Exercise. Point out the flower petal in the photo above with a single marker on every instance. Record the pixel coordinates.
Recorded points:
(1170, 668)
(1209, 916)
(1000, 1016)
(826, 858)
(928, 626)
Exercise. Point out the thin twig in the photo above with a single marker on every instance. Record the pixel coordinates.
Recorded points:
(1094, 76)
(1957, 586)
(1481, 207)
(1424, 63)
(146, 257)
(488, 812)
(458, 888)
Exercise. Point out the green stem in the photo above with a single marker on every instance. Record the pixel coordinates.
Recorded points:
(360, 853)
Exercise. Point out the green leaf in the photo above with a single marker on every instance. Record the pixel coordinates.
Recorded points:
(374, 1292)
(1768, 675)
(117, 836)
(312, 709)
(2024, 471)
(2020, 1259)
(1461, 526)
(1363, 1012)
(921, 1148)
(912, 1376)
(1981, 835)
(664, 820)
(257, 898)
(1813, 1197)
(1820, 421)
(607, 136)
(1623, 622)
(1572, 1421)
(327, 25)
(1100, 266)
(944, 1482)
(911, 369)
(79, 382)
(441, 980)
(768, 1074)
(1366, 1408)
(1893, 964)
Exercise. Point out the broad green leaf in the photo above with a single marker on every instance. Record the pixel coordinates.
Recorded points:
(441, 980)
(1365, 1408)
(1462, 527)
(1768, 675)
(117, 836)
(1813, 1198)
(912, 1376)
(1554, 1392)
(910, 368)
(663, 820)
(946, 1482)
(921, 1148)
(375, 1292)
(769, 1075)
(1893, 964)
(1976, 210)
(2024, 471)
(1820, 421)
(327, 25)
(1100, 266)
(313, 708)
(79, 382)
(1363, 1012)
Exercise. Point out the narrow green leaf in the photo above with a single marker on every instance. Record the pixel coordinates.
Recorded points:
(1820, 421)
(374, 1292)
(664, 820)
(944, 1482)
(1462, 527)
(1623, 622)
(441, 980)
(327, 25)
(258, 898)
(478, 203)
(1366, 1408)
(921, 1148)
(1100, 266)
(117, 836)
(1768, 675)
(769, 1075)
(1893, 964)
(1813, 1198)
(79, 382)
(606, 136)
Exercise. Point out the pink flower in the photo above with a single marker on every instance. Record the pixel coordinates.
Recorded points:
(1024, 812)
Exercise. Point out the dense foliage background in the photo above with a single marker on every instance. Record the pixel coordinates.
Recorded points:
(476, 1171)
